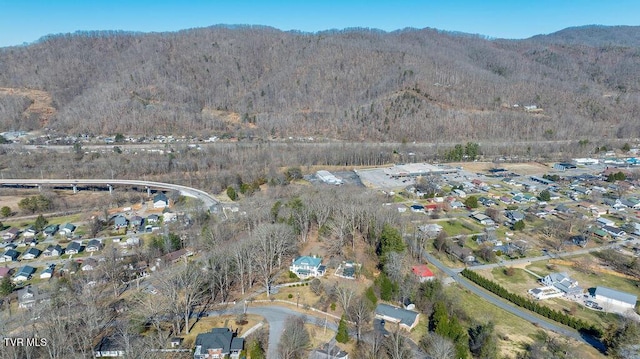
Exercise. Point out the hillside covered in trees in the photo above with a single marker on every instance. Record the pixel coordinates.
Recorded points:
(356, 84)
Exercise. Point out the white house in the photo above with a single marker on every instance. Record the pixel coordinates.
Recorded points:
(605, 222)
(48, 272)
(609, 296)
(562, 282)
(160, 201)
(306, 266)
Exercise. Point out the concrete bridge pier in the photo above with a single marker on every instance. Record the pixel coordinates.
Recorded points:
(39, 188)
(75, 189)
(110, 189)
(148, 191)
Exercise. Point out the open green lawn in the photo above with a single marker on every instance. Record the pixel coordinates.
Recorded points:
(454, 227)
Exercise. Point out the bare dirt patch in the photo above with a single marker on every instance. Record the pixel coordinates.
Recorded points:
(41, 102)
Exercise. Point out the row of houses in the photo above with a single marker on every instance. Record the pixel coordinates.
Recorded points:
(11, 253)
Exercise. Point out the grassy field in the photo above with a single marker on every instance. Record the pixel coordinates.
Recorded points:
(513, 332)
(454, 227)
(520, 282)
(589, 280)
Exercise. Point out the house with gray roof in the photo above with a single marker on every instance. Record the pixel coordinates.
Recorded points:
(67, 229)
(30, 296)
(218, 343)
(160, 201)
(610, 296)
(120, 222)
(405, 319)
(307, 266)
(562, 282)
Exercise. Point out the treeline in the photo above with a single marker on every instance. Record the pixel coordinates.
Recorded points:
(257, 81)
(528, 304)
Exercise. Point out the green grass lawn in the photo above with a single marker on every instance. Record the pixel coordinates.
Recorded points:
(453, 227)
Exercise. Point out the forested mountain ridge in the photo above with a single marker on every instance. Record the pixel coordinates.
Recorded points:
(356, 84)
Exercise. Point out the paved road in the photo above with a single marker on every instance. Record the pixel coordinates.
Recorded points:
(276, 315)
(206, 198)
(503, 304)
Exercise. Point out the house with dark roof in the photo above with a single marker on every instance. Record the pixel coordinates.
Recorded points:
(11, 255)
(614, 231)
(111, 346)
(30, 296)
(73, 248)
(48, 272)
(160, 201)
(31, 253)
(94, 245)
(53, 251)
(307, 266)
(24, 274)
(51, 229)
(405, 319)
(218, 343)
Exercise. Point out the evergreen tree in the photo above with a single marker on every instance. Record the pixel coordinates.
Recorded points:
(6, 286)
(343, 334)
(41, 222)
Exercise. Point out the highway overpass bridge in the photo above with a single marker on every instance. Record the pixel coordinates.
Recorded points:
(209, 201)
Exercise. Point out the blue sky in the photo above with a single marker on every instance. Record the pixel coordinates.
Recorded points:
(26, 21)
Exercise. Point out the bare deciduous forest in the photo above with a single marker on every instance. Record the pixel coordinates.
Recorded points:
(357, 84)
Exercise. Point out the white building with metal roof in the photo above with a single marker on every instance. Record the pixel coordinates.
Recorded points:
(607, 296)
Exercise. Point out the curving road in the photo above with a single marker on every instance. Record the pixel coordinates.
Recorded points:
(208, 199)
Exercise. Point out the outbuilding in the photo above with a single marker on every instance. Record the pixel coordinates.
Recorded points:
(607, 296)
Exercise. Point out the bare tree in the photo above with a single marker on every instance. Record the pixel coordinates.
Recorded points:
(397, 346)
(360, 311)
(394, 266)
(183, 289)
(271, 242)
(437, 346)
(295, 339)
(345, 294)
